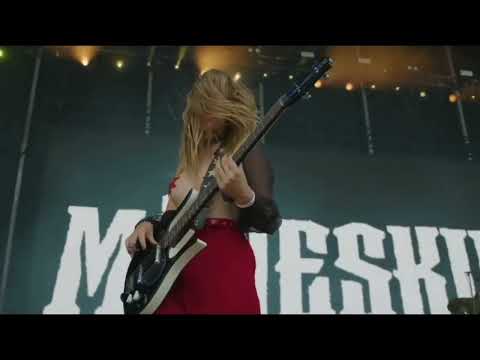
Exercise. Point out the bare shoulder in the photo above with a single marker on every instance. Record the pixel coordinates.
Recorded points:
(179, 188)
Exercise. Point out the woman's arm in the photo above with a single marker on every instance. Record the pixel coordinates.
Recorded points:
(263, 215)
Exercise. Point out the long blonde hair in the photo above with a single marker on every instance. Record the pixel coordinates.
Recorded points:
(216, 94)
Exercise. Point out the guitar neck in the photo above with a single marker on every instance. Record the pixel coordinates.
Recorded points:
(262, 128)
(210, 187)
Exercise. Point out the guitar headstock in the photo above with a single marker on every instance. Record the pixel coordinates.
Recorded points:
(319, 70)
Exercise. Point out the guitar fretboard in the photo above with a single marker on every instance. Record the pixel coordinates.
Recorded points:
(209, 187)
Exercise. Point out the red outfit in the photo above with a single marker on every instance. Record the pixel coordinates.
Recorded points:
(218, 280)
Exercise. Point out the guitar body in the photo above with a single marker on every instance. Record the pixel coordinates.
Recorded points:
(152, 273)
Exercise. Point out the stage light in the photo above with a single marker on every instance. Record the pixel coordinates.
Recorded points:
(83, 54)
(466, 73)
(237, 76)
(119, 64)
(473, 97)
(349, 86)
(250, 50)
(318, 84)
(307, 54)
(1, 53)
(265, 75)
(452, 98)
(373, 86)
(397, 88)
(423, 93)
(290, 77)
(181, 55)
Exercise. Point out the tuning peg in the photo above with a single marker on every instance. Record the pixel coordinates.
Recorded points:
(307, 96)
(129, 299)
(136, 296)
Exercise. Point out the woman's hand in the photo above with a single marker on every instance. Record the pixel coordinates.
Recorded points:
(142, 235)
(232, 181)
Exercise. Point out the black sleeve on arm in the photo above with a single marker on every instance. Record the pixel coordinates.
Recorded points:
(159, 222)
(263, 216)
